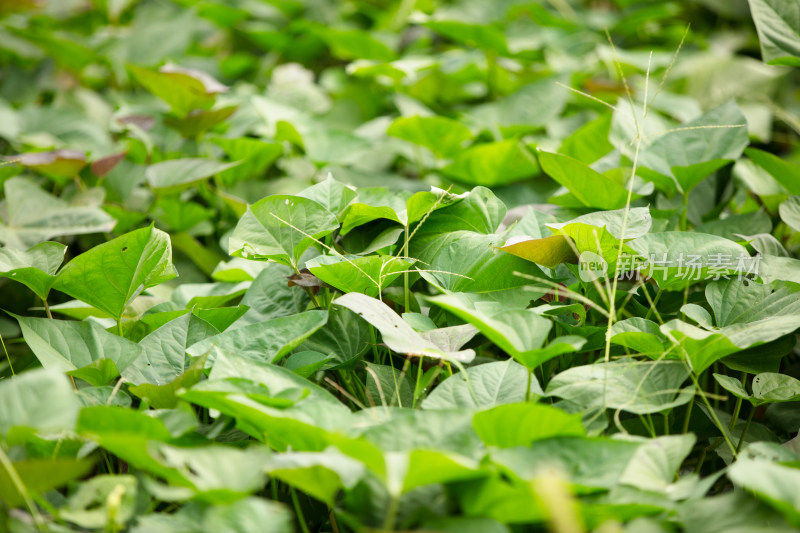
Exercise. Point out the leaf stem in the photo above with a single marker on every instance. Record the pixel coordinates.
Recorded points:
(688, 417)
(713, 414)
(8, 357)
(738, 407)
(746, 428)
(417, 391)
(683, 224)
(406, 288)
(299, 511)
(528, 388)
(391, 514)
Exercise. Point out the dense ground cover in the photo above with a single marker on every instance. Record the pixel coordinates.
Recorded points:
(273, 265)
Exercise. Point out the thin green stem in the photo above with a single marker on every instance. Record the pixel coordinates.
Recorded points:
(406, 288)
(313, 297)
(374, 342)
(391, 514)
(738, 407)
(299, 512)
(682, 224)
(648, 425)
(710, 448)
(47, 308)
(417, 391)
(653, 303)
(713, 415)
(8, 357)
(744, 431)
(528, 388)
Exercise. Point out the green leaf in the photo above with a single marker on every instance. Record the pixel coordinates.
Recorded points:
(217, 473)
(127, 433)
(493, 164)
(483, 386)
(249, 515)
(656, 463)
(330, 194)
(184, 90)
(276, 419)
(768, 387)
(32, 216)
(533, 106)
(520, 424)
(176, 174)
(757, 222)
(640, 335)
(419, 468)
(366, 275)
(103, 501)
(549, 251)
(263, 341)
(479, 211)
(396, 334)
(270, 296)
(402, 207)
(771, 387)
(589, 142)
(280, 228)
(776, 484)
(306, 363)
(277, 380)
(61, 165)
(443, 136)
(343, 338)
(387, 386)
(634, 386)
(109, 276)
(521, 333)
(790, 212)
(778, 27)
(703, 347)
(462, 261)
(68, 345)
(179, 215)
(319, 474)
(785, 172)
(35, 268)
(734, 302)
(590, 187)
(748, 315)
(483, 36)
(253, 156)
(165, 396)
(199, 121)
(355, 44)
(403, 430)
(98, 373)
(677, 259)
(591, 463)
(163, 356)
(38, 401)
(41, 475)
(698, 148)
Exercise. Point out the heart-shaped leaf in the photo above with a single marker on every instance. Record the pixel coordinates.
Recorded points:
(109, 276)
